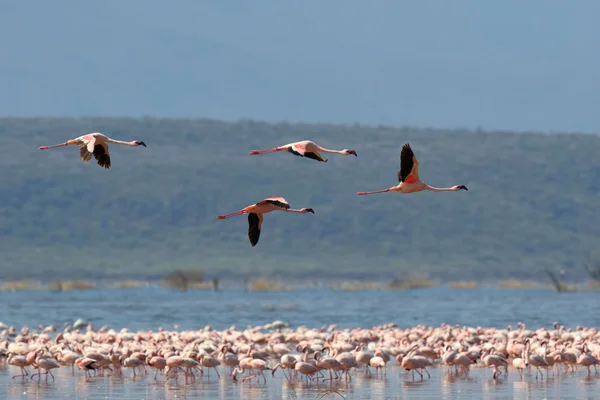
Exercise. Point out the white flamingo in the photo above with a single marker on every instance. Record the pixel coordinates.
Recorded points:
(305, 148)
(408, 177)
(95, 144)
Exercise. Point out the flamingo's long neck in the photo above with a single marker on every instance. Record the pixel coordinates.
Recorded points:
(121, 142)
(435, 189)
(296, 211)
(331, 151)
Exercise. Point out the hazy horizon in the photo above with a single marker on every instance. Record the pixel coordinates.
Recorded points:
(511, 66)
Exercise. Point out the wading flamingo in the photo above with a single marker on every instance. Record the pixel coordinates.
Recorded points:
(519, 364)
(408, 176)
(535, 360)
(255, 214)
(44, 363)
(94, 144)
(305, 148)
(87, 364)
(18, 361)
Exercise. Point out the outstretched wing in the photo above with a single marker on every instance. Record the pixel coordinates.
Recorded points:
(301, 149)
(102, 155)
(86, 147)
(314, 156)
(254, 225)
(298, 148)
(84, 154)
(91, 142)
(409, 171)
(278, 202)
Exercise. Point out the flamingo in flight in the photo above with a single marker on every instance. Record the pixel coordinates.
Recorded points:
(305, 148)
(255, 214)
(94, 144)
(408, 177)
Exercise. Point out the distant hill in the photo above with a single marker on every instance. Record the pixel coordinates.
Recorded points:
(533, 201)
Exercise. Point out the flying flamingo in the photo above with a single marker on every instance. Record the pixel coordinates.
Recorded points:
(94, 144)
(305, 148)
(408, 176)
(255, 214)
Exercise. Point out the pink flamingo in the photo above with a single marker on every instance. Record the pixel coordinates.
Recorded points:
(408, 176)
(44, 363)
(520, 364)
(96, 144)
(414, 362)
(494, 361)
(159, 364)
(535, 360)
(255, 214)
(174, 363)
(87, 364)
(305, 148)
(587, 360)
(18, 361)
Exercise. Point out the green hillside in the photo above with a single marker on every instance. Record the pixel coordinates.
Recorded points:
(533, 201)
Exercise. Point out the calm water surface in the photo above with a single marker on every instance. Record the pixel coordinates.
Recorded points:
(154, 307)
(397, 384)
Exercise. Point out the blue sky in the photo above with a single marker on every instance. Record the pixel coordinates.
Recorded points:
(518, 65)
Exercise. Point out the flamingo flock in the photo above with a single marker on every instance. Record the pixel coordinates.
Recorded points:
(315, 356)
(96, 144)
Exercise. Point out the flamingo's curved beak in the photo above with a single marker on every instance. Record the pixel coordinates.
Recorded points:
(141, 143)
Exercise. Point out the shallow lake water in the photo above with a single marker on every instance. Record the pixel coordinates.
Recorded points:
(154, 307)
(396, 384)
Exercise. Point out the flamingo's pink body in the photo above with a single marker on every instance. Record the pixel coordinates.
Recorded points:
(305, 148)
(534, 359)
(494, 361)
(46, 364)
(68, 357)
(377, 362)
(228, 359)
(210, 362)
(408, 177)
(87, 364)
(328, 362)
(412, 362)
(159, 363)
(287, 361)
(173, 362)
(587, 360)
(95, 144)
(519, 364)
(18, 361)
(255, 214)
(133, 363)
(463, 361)
(305, 368)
